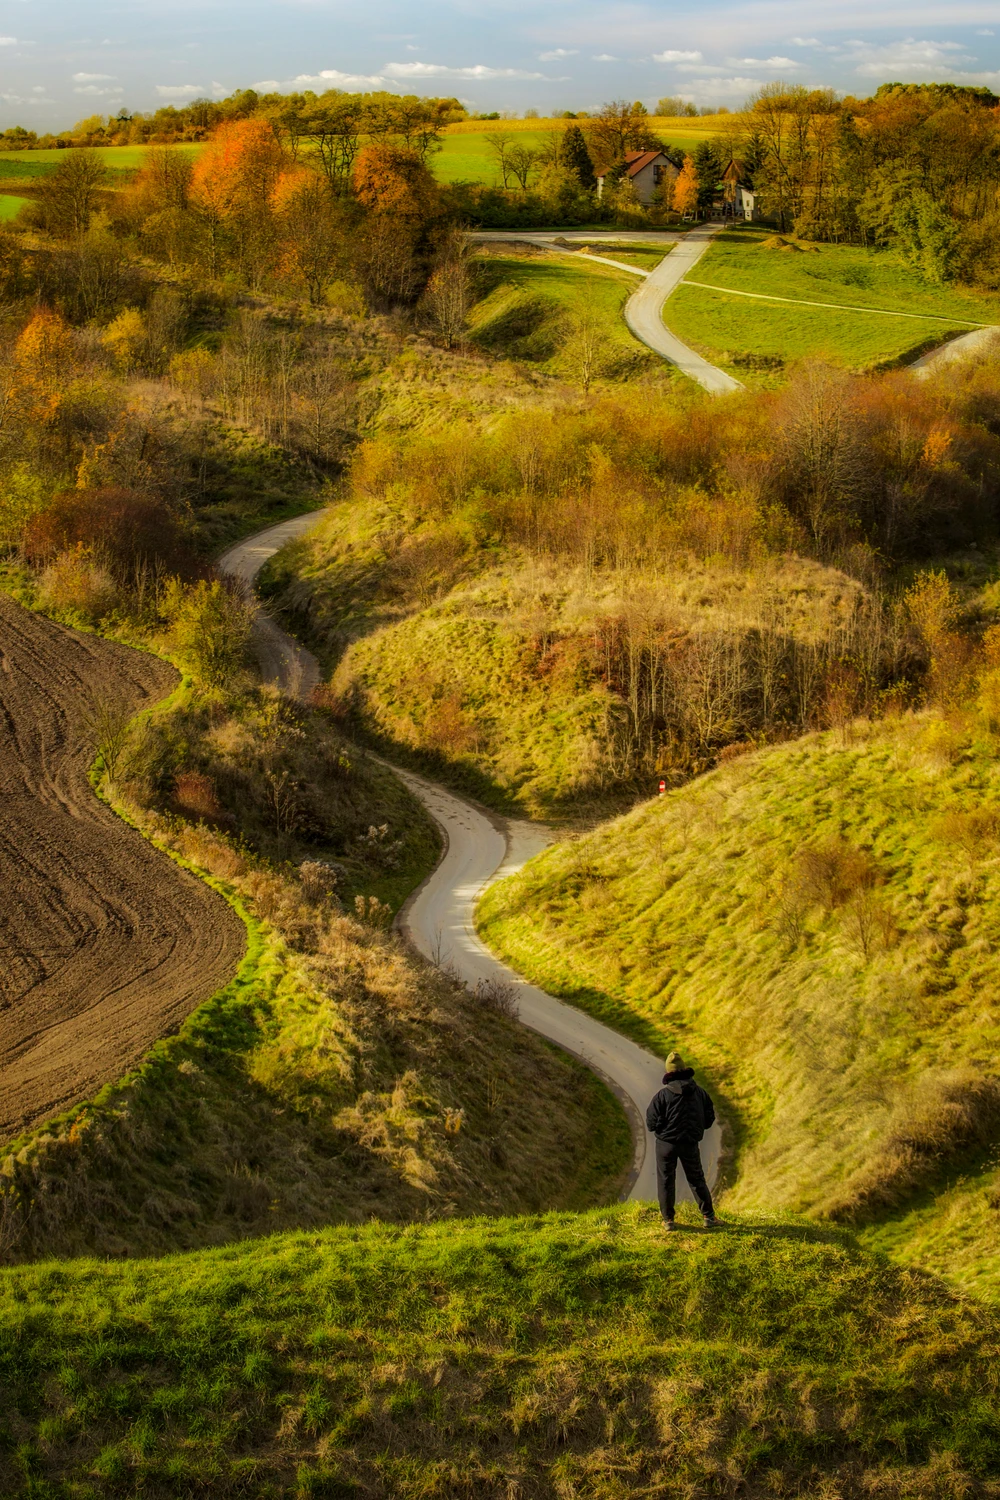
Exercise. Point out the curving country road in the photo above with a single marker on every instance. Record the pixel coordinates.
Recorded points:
(644, 312)
(438, 917)
(644, 309)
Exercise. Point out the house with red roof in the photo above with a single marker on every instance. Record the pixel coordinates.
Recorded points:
(647, 171)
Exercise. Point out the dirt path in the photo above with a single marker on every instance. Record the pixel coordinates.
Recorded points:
(105, 944)
(438, 917)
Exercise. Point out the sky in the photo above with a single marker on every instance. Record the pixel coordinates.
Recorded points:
(61, 61)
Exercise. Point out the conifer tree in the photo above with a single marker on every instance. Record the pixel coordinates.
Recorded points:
(577, 158)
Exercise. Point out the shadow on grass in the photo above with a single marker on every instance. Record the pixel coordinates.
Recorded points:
(795, 1232)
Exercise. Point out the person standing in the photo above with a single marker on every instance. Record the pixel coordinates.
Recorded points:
(678, 1116)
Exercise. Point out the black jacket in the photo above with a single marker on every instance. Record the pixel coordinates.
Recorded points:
(681, 1111)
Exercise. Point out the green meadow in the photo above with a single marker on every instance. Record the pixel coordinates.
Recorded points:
(730, 328)
(465, 155)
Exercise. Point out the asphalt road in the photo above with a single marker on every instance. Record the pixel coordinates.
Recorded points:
(644, 309)
(438, 917)
(644, 312)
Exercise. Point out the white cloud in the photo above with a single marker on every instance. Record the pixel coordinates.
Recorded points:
(985, 31)
(8, 41)
(604, 57)
(720, 90)
(92, 77)
(766, 62)
(805, 41)
(672, 56)
(439, 70)
(179, 90)
(93, 92)
(329, 78)
(557, 53)
(909, 60)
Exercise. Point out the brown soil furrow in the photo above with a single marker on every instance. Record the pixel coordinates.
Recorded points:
(105, 944)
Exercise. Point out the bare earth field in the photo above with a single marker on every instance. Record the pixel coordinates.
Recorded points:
(105, 944)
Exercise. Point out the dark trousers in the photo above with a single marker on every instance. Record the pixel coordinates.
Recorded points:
(668, 1154)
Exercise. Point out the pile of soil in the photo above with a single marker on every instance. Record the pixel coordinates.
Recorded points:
(105, 944)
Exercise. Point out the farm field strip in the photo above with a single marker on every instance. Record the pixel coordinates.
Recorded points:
(107, 944)
(882, 312)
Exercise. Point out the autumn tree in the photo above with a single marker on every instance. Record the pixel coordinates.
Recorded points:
(686, 188)
(402, 207)
(449, 293)
(312, 225)
(45, 358)
(155, 204)
(618, 128)
(232, 186)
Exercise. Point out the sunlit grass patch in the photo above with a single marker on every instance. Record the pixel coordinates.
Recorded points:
(456, 1358)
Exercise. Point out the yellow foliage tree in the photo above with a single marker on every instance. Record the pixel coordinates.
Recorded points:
(126, 338)
(45, 358)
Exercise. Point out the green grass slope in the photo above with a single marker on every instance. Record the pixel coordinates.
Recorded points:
(548, 1357)
(530, 303)
(817, 925)
(736, 329)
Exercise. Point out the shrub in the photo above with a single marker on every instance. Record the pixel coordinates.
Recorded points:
(127, 530)
(210, 629)
(75, 583)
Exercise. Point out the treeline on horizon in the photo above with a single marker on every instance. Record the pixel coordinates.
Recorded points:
(914, 166)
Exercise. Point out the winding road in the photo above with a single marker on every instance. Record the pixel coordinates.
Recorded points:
(479, 847)
(644, 309)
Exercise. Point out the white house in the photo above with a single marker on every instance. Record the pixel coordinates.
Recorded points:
(739, 202)
(647, 171)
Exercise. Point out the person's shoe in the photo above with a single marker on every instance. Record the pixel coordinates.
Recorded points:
(711, 1222)
(669, 1226)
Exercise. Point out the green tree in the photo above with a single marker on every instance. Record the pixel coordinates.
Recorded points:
(709, 167)
(68, 199)
(576, 157)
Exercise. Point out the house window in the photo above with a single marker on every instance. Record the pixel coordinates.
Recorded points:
(657, 175)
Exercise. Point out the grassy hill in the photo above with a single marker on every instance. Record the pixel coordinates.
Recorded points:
(738, 330)
(816, 925)
(544, 1357)
(530, 304)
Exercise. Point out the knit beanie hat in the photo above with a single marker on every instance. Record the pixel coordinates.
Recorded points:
(674, 1063)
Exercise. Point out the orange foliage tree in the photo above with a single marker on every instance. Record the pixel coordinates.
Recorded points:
(312, 224)
(402, 201)
(232, 186)
(686, 188)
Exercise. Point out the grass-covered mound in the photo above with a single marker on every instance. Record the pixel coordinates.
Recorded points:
(529, 307)
(817, 924)
(561, 1356)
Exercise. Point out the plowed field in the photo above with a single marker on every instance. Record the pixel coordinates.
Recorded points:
(105, 944)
